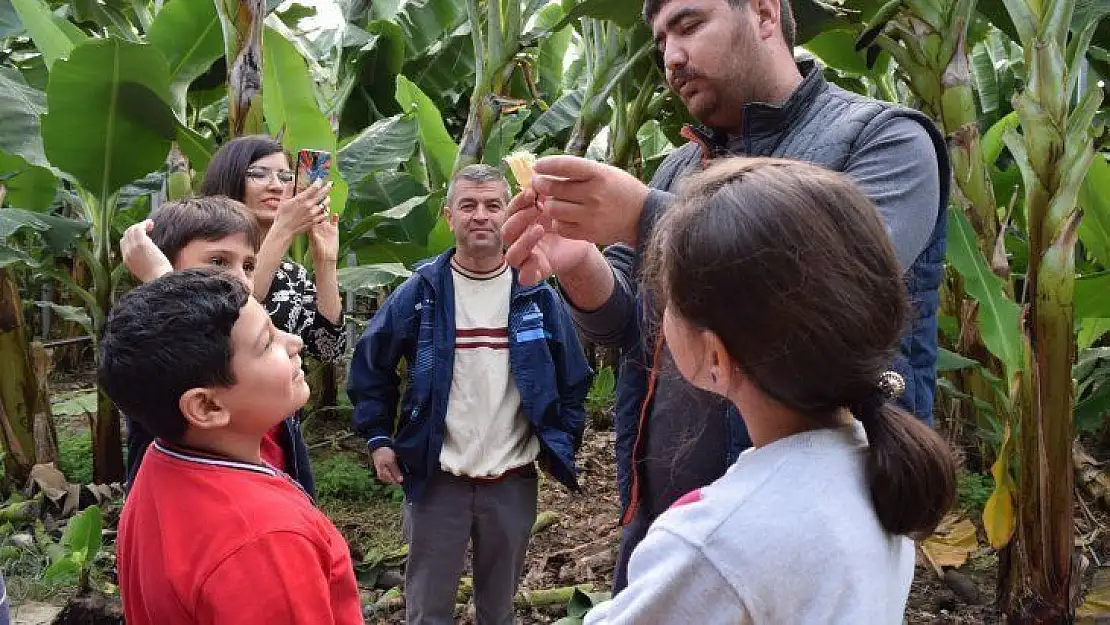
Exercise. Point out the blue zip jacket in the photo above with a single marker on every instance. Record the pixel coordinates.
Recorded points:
(417, 323)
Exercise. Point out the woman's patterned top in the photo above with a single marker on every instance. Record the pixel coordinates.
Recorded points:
(291, 304)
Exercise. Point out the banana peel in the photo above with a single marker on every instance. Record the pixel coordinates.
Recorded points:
(523, 166)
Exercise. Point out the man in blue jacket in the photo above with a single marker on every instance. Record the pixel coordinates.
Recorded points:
(496, 380)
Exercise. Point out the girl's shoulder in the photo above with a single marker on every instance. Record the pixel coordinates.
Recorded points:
(765, 488)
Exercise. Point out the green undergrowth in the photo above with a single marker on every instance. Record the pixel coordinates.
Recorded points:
(973, 490)
(366, 511)
(75, 458)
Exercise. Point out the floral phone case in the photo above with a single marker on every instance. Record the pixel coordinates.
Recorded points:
(312, 165)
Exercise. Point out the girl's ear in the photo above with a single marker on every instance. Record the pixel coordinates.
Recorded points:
(724, 372)
(203, 410)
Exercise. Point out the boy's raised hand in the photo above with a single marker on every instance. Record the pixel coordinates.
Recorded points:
(140, 255)
(301, 212)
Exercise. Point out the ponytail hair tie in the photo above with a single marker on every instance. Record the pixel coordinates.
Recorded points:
(890, 386)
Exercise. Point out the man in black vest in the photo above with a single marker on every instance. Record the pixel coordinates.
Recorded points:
(732, 63)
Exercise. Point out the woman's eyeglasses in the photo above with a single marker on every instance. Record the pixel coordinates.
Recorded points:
(264, 174)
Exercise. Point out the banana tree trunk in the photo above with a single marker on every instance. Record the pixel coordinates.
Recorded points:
(178, 183)
(624, 145)
(46, 435)
(479, 123)
(106, 436)
(601, 48)
(928, 41)
(18, 387)
(242, 28)
(1053, 152)
(107, 443)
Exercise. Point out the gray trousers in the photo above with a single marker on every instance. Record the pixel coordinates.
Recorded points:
(495, 518)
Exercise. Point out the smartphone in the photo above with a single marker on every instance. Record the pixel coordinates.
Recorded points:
(312, 165)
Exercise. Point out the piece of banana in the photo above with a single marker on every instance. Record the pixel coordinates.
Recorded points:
(522, 164)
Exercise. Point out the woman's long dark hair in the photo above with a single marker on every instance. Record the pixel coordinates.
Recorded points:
(227, 173)
(791, 266)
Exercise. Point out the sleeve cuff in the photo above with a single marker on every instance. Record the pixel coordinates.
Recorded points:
(377, 442)
(610, 319)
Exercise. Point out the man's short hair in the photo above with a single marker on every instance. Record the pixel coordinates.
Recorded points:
(165, 337)
(478, 173)
(786, 16)
(208, 218)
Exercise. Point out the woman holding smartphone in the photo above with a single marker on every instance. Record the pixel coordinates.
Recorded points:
(256, 171)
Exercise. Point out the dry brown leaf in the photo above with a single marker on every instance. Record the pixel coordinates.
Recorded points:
(50, 481)
(952, 543)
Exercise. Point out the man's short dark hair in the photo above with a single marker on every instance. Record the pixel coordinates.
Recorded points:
(176, 224)
(479, 173)
(786, 16)
(165, 337)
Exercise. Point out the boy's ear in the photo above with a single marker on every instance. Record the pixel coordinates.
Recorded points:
(203, 410)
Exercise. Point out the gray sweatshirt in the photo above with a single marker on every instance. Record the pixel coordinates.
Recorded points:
(788, 535)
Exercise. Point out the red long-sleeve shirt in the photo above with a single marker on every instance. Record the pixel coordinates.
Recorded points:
(208, 540)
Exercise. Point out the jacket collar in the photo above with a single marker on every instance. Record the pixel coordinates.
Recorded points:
(438, 269)
(195, 456)
(763, 118)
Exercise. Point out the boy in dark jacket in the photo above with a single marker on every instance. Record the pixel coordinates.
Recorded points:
(496, 381)
(210, 533)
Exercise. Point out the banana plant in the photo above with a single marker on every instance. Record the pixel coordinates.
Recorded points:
(241, 23)
(611, 53)
(108, 122)
(30, 243)
(17, 389)
(1053, 151)
(928, 40)
(637, 99)
(497, 44)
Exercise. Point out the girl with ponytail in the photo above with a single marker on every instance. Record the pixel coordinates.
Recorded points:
(781, 291)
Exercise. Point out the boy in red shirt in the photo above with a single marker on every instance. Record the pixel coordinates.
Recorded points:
(211, 533)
